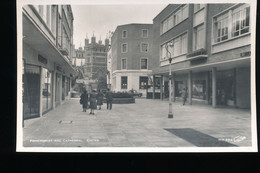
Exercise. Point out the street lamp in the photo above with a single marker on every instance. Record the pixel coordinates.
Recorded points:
(170, 115)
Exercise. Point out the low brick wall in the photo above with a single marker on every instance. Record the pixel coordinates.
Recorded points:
(122, 100)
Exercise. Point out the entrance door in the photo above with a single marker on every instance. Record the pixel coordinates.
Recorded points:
(31, 92)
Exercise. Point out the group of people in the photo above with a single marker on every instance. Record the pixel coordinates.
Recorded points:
(96, 100)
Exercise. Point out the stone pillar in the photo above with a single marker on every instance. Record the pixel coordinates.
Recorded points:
(54, 87)
(190, 87)
(173, 87)
(60, 89)
(214, 87)
(161, 87)
(207, 88)
(153, 86)
(41, 75)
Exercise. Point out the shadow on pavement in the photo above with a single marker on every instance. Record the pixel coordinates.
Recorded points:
(199, 139)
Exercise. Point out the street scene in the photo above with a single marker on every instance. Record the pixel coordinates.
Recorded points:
(143, 124)
(165, 76)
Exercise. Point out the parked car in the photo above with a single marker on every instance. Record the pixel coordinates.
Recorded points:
(135, 93)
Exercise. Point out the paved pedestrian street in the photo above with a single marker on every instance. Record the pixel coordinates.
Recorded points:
(142, 124)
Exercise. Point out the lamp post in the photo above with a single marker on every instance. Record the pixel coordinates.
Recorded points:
(170, 115)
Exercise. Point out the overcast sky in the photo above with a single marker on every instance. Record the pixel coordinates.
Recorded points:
(101, 19)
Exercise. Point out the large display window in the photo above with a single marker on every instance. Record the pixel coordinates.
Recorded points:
(31, 91)
(199, 89)
(46, 90)
(178, 88)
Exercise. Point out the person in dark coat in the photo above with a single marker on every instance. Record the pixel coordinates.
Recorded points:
(109, 99)
(99, 99)
(93, 102)
(84, 100)
(184, 95)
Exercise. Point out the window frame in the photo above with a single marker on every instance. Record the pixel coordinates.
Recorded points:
(230, 13)
(122, 47)
(172, 50)
(143, 33)
(124, 85)
(140, 82)
(195, 40)
(146, 63)
(141, 47)
(124, 31)
(164, 24)
(125, 64)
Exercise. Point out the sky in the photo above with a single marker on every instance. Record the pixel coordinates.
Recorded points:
(100, 19)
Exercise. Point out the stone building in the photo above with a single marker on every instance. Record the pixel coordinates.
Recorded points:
(131, 57)
(211, 49)
(47, 32)
(96, 58)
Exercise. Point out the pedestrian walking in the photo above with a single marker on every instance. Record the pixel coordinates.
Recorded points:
(109, 99)
(184, 95)
(99, 99)
(84, 100)
(93, 102)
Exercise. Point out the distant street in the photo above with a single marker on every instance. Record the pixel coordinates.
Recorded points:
(143, 124)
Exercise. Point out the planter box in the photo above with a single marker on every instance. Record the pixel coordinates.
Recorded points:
(122, 100)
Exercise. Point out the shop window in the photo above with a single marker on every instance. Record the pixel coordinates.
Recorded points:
(124, 82)
(46, 90)
(143, 82)
(199, 89)
(31, 91)
(157, 82)
(178, 88)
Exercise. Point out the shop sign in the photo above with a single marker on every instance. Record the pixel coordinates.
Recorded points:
(244, 54)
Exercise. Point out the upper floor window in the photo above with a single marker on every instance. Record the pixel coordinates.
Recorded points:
(144, 63)
(197, 7)
(145, 33)
(144, 47)
(175, 18)
(199, 37)
(232, 23)
(240, 20)
(124, 34)
(179, 46)
(123, 64)
(221, 26)
(124, 48)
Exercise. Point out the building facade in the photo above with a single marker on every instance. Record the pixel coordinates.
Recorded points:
(79, 57)
(131, 57)
(47, 49)
(210, 47)
(96, 58)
